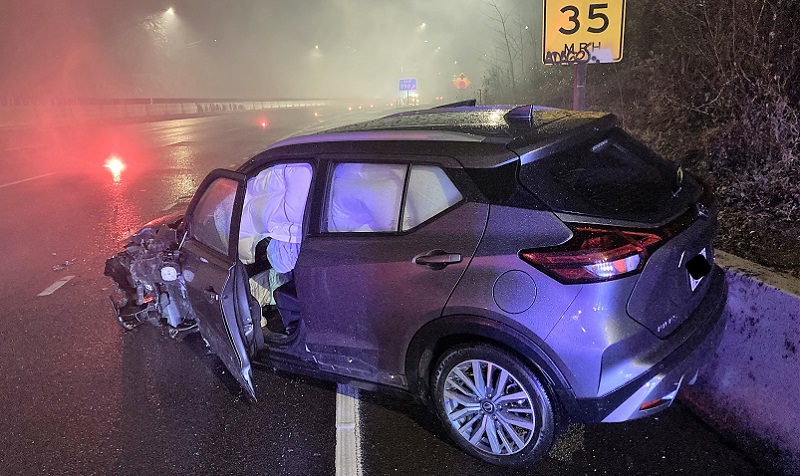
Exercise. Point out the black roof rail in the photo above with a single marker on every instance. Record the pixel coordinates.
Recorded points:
(467, 103)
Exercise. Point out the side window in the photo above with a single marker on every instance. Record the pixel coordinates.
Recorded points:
(211, 220)
(430, 192)
(365, 197)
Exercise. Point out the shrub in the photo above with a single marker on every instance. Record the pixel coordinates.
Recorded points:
(713, 85)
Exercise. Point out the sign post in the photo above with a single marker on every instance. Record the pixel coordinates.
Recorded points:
(580, 32)
(579, 87)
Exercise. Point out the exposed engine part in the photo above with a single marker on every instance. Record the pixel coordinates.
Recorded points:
(149, 281)
(178, 333)
(129, 317)
(169, 273)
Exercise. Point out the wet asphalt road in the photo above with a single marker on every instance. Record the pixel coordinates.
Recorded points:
(79, 396)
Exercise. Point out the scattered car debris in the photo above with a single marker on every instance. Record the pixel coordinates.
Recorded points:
(63, 265)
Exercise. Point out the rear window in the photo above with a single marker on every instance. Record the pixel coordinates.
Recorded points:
(613, 177)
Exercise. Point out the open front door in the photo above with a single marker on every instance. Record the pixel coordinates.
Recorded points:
(215, 279)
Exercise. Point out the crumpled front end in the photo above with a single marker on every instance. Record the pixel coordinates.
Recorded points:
(149, 284)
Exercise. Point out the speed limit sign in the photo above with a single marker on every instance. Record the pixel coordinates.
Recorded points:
(583, 31)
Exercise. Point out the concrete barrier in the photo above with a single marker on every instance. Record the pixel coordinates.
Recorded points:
(749, 388)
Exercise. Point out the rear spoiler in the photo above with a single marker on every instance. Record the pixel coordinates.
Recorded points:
(594, 124)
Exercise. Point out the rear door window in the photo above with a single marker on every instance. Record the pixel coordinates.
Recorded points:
(366, 197)
(387, 198)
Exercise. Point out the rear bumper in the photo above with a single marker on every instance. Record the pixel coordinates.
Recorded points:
(659, 385)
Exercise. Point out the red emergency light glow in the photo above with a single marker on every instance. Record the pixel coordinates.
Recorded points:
(264, 124)
(115, 165)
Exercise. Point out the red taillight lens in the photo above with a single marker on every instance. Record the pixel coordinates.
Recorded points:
(653, 403)
(594, 255)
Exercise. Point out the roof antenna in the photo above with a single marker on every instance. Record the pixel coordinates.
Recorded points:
(520, 113)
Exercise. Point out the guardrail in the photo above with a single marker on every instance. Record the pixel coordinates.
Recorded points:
(23, 112)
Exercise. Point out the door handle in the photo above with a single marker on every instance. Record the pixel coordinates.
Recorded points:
(436, 259)
(210, 294)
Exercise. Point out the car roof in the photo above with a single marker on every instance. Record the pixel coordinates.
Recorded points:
(476, 136)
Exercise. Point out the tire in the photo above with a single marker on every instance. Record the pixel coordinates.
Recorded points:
(482, 419)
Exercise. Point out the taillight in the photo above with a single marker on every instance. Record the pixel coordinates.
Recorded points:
(594, 255)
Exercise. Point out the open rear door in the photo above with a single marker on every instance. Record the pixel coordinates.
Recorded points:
(216, 281)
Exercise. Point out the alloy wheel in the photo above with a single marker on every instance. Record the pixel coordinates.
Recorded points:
(489, 408)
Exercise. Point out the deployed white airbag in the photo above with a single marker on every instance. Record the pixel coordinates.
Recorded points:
(366, 197)
(274, 204)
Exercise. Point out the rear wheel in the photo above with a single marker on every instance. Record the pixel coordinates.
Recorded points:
(493, 406)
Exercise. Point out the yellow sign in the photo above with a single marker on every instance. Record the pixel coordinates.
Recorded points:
(583, 31)
(461, 81)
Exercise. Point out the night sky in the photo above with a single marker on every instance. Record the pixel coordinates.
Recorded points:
(244, 48)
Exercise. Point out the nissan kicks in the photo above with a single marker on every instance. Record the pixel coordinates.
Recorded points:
(514, 267)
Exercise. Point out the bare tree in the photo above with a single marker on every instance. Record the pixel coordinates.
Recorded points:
(510, 45)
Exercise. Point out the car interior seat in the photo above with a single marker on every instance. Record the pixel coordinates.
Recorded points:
(288, 305)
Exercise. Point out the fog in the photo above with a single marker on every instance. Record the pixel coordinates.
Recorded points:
(245, 48)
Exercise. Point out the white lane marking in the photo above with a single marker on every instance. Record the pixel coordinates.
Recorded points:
(348, 434)
(55, 286)
(25, 180)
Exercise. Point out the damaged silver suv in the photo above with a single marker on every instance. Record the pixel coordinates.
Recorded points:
(516, 268)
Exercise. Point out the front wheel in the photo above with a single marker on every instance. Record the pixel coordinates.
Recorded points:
(493, 406)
